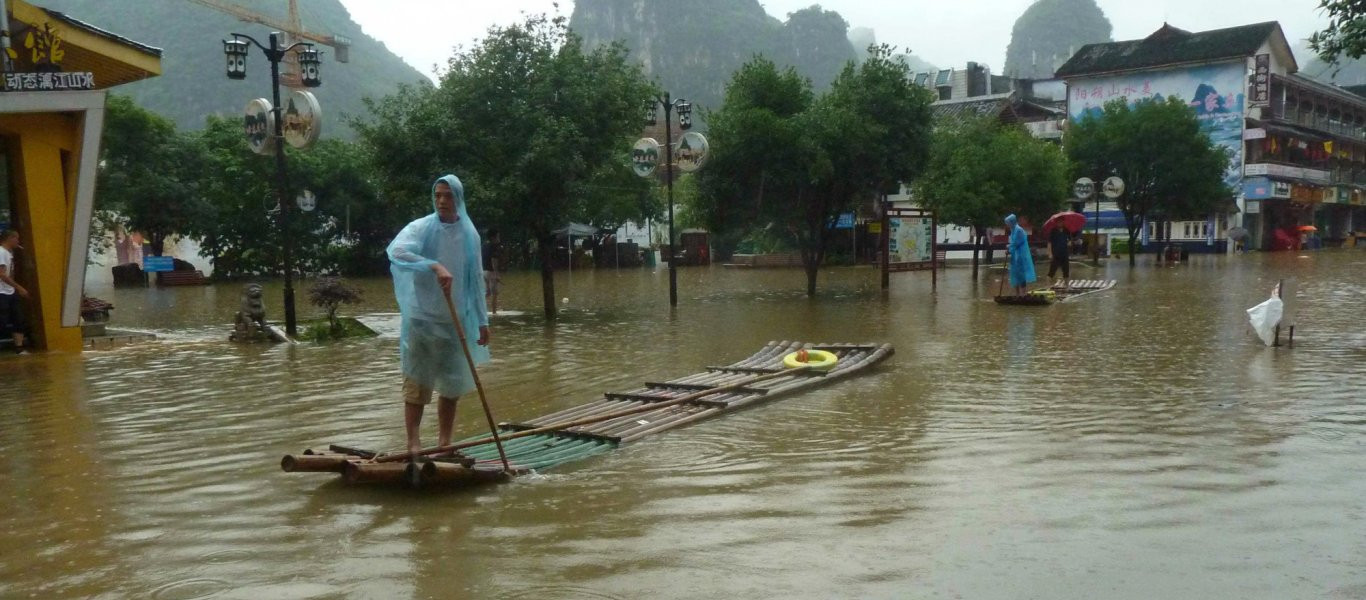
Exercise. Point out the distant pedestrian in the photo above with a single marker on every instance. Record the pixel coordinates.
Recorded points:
(1059, 247)
(493, 268)
(11, 314)
(1021, 261)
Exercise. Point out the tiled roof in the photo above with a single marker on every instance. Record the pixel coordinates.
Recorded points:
(1168, 45)
(74, 22)
(971, 108)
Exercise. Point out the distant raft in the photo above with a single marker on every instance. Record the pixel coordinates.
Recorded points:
(1058, 293)
(602, 425)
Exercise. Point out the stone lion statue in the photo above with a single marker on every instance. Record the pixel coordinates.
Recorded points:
(251, 319)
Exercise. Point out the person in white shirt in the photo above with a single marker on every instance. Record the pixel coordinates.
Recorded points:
(11, 317)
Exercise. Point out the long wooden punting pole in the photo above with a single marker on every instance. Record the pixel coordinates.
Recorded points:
(594, 419)
(464, 345)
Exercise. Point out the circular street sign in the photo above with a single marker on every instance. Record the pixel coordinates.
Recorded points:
(259, 122)
(307, 201)
(645, 156)
(1084, 188)
(692, 151)
(303, 119)
(1112, 188)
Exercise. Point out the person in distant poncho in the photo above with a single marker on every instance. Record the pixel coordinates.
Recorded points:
(433, 256)
(1021, 261)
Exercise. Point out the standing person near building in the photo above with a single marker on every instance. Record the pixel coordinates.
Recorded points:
(1059, 247)
(1021, 262)
(435, 256)
(493, 267)
(11, 315)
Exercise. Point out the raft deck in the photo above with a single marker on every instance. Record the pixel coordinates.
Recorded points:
(1081, 287)
(1060, 293)
(540, 451)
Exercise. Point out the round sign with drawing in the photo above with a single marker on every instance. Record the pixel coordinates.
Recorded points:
(303, 119)
(259, 123)
(1084, 188)
(692, 151)
(645, 156)
(1113, 188)
(307, 201)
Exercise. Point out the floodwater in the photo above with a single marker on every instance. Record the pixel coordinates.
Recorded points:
(1137, 443)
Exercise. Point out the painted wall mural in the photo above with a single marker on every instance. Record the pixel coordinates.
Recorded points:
(1217, 94)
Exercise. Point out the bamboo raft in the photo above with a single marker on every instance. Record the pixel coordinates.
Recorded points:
(599, 426)
(1081, 287)
(1058, 293)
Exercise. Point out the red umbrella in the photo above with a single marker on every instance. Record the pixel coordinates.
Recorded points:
(1069, 220)
(1308, 228)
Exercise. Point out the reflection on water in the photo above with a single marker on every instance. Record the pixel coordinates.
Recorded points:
(1137, 443)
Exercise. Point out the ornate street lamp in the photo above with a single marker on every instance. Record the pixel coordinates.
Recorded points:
(309, 67)
(684, 109)
(236, 53)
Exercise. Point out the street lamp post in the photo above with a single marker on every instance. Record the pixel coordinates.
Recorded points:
(684, 109)
(236, 52)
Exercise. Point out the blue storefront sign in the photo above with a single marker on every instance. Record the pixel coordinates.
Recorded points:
(1257, 188)
(845, 221)
(156, 264)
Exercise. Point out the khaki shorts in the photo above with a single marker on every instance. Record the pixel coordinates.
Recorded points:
(492, 281)
(416, 394)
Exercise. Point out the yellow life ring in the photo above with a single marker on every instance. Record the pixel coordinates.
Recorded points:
(817, 360)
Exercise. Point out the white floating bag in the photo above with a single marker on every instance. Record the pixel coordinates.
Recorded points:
(1265, 317)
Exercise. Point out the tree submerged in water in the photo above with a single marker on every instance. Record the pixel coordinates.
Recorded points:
(330, 293)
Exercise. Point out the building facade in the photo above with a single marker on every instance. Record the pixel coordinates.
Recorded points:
(1296, 146)
(52, 98)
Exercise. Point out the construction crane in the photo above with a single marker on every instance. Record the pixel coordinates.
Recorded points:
(293, 30)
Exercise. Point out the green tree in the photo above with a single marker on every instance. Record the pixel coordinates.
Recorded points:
(150, 174)
(1345, 34)
(981, 170)
(757, 148)
(244, 239)
(1169, 166)
(792, 163)
(527, 118)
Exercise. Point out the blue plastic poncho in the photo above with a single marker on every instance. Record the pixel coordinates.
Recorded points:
(429, 349)
(1021, 261)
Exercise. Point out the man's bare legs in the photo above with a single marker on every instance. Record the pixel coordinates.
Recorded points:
(445, 423)
(445, 420)
(412, 422)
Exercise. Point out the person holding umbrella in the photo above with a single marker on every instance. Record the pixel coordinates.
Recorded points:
(1021, 262)
(1060, 228)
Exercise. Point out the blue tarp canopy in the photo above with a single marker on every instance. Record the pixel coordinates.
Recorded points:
(1109, 219)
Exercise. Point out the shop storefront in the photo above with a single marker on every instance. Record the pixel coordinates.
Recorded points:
(51, 118)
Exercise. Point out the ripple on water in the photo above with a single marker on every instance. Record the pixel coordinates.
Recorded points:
(190, 589)
(568, 592)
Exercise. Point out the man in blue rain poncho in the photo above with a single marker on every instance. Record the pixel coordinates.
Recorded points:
(1021, 261)
(433, 256)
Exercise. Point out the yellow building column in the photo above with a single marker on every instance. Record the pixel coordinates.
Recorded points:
(44, 156)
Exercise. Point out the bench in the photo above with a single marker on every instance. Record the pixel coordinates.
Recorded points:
(171, 278)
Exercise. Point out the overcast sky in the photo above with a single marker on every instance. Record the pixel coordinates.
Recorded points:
(945, 32)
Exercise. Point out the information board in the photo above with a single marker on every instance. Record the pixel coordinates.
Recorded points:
(910, 239)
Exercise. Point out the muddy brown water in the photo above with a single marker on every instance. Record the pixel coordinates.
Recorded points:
(1137, 443)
